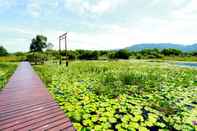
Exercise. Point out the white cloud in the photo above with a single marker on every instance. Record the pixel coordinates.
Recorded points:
(178, 24)
(188, 12)
(113, 36)
(149, 31)
(190, 7)
(106, 38)
(34, 8)
(37, 8)
(99, 7)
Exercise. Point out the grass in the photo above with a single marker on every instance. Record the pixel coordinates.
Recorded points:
(6, 70)
(184, 58)
(124, 95)
(12, 58)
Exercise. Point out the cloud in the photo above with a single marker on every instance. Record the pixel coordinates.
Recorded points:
(97, 7)
(101, 7)
(118, 23)
(188, 12)
(107, 37)
(34, 8)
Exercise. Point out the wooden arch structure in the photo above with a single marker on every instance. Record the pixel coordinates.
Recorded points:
(63, 37)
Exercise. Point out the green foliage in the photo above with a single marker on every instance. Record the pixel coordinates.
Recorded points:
(37, 58)
(181, 58)
(72, 55)
(15, 57)
(10, 58)
(6, 70)
(123, 54)
(149, 54)
(21, 56)
(120, 54)
(51, 54)
(168, 52)
(38, 43)
(139, 56)
(124, 95)
(87, 55)
(194, 53)
(3, 51)
(112, 55)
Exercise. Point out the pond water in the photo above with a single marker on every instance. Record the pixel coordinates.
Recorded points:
(187, 64)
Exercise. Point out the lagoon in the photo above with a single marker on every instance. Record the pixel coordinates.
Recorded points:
(187, 64)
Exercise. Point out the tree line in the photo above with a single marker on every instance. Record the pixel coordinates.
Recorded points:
(41, 51)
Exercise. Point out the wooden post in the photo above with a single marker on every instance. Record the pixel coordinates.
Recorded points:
(60, 58)
(63, 37)
(66, 49)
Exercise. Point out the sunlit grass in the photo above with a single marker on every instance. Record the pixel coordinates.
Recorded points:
(6, 70)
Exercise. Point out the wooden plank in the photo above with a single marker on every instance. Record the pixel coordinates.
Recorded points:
(27, 120)
(25, 104)
(29, 117)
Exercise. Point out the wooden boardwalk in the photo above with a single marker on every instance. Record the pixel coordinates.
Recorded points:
(26, 105)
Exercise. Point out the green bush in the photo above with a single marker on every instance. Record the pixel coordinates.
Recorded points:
(3, 51)
(37, 58)
(138, 56)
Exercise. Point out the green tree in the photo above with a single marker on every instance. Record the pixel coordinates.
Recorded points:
(38, 43)
(71, 55)
(3, 51)
(151, 53)
(171, 52)
(111, 55)
(123, 54)
(88, 54)
(194, 53)
(37, 57)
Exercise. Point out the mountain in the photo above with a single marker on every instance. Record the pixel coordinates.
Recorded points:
(142, 46)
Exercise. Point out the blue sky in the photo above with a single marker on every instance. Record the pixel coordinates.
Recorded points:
(97, 24)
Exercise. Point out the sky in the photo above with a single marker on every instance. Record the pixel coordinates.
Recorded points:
(97, 24)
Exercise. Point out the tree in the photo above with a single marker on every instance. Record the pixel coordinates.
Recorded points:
(171, 51)
(50, 46)
(38, 43)
(87, 55)
(151, 53)
(194, 53)
(123, 54)
(19, 54)
(37, 57)
(111, 55)
(3, 51)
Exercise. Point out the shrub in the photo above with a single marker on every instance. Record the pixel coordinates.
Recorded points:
(3, 51)
(37, 58)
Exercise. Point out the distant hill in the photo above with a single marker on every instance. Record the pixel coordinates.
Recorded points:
(139, 47)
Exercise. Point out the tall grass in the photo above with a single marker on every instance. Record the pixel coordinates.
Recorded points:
(6, 70)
